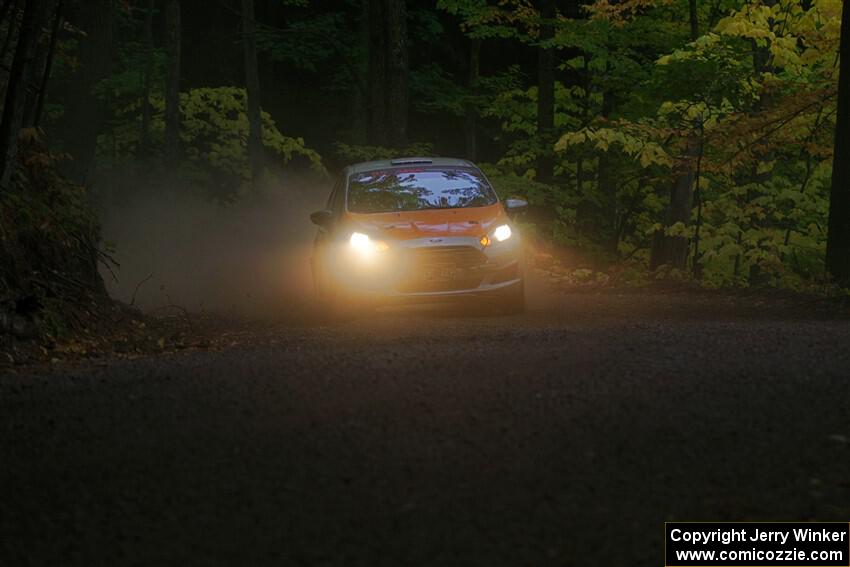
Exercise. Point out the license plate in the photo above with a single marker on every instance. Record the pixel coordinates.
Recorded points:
(439, 273)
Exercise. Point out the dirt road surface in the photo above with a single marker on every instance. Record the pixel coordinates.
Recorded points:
(565, 436)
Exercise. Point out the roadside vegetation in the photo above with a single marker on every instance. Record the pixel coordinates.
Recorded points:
(701, 141)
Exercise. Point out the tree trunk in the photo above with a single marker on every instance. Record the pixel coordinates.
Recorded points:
(145, 130)
(252, 87)
(5, 7)
(58, 20)
(172, 89)
(607, 180)
(546, 92)
(10, 15)
(397, 72)
(85, 113)
(673, 250)
(838, 233)
(377, 74)
(35, 68)
(694, 19)
(697, 260)
(16, 91)
(359, 99)
(388, 73)
(471, 123)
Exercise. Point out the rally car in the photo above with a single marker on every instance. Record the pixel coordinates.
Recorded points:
(417, 229)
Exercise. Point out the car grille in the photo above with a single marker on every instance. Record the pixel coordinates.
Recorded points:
(442, 268)
(460, 256)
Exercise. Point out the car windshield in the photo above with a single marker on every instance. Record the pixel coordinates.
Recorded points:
(391, 190)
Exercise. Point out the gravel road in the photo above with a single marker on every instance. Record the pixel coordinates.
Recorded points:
(565, 436)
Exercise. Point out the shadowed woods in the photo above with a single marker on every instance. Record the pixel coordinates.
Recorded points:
(683, 140)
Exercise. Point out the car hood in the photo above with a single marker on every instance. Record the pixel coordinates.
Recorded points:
(472, 221)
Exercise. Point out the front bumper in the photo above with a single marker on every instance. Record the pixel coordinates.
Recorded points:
(428, 269)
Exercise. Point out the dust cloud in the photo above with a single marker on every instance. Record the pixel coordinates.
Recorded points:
(251, 258)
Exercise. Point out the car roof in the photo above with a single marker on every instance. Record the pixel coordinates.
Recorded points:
(407, 162)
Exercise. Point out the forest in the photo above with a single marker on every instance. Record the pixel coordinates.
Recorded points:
(678, 140)
(423, 282)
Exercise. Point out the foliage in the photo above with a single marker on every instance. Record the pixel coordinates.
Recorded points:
(352, 153)
(754, 130)
(743, 112)
(305, 43)
(49, 239)
(214, 132)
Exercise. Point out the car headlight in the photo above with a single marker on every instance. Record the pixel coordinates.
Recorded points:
(363, 244)
(502, 233)
(499, 234)
(360, 242)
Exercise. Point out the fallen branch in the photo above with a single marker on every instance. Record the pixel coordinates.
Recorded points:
(107, 261)
(139, 285)
(69, 280)
(172, 305)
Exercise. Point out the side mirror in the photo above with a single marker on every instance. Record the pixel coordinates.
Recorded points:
(515, 205)
(322, 218)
